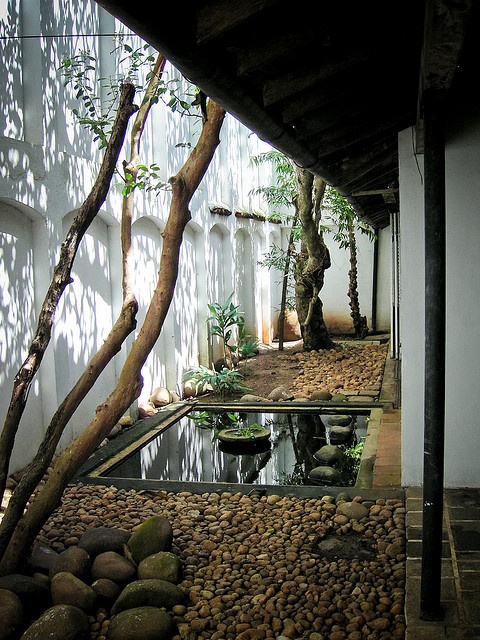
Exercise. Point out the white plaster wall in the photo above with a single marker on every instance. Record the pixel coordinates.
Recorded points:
(462, 401)
(48, 165)
(334, 295)
(384, 280)
(462, 441)
(412, 314)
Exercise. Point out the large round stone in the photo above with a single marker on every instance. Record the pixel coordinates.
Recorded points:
(34, 595)
(61, 622)
(74, 560)
(152, 536)
(141, 623)
(68, 589)
(107, 591)
(160, 397)
(112, 565)
(12, 614)
(324, 475)
(340, 420)
(163, 565)
(101, 539)
(340, 435)
(148, 593)
(280, 394)
(353, 510)
(329, 454)
(320, 395)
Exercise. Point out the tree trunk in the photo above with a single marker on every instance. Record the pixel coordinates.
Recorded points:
(61, 278)
(124, 325)
(311, 263)
(129, 384)
(286, 271)
(359, 321)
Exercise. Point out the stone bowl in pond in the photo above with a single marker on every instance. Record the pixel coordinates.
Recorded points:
(244, 439)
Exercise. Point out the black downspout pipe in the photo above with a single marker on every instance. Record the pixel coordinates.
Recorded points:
(435, 310)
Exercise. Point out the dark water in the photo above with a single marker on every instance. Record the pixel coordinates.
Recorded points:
(190, 450)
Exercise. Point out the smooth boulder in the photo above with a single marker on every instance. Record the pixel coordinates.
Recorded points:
(60, 622)
(153, 535)
(141, 623)
(163, 565)
(148, 593)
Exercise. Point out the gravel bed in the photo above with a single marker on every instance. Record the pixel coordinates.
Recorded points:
(262, 566)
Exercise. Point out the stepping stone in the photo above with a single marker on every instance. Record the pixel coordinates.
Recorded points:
(340, 435)
(324, 475)
(329, 454)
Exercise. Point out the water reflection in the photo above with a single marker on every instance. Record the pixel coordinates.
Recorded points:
(189, 450)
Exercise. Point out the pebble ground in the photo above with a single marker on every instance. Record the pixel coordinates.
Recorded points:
(262, 566)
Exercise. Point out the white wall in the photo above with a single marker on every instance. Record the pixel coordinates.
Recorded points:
(462, 401)
(48, 165)
(334, 295)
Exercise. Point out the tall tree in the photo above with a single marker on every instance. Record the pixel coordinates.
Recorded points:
(346, 224)
(281, 198)
(311, 262)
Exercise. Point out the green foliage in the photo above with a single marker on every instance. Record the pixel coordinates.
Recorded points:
(247, 346)
(223, 320)
(225, 420)
(97, 115)
(225, 382)
(348, 467)
(343, 216)
(79, 71)
(282, 194)
(214, 420)
(249, 430)
(148, 179)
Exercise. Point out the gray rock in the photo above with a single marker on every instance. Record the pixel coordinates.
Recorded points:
(112, 565)
(35, 597)
(329, 454)
(12, 614)
(343, 496)
(160, 397)
(148, 593)
(68, 589)
(41, 558)
(163, 565)
(74, 560)
(250, 397)
(152, 536)
(101, 539)
(324, 475)
(280, 394)
(353, 510)
(107, 591)
(320, 395)
(141, 623)
(340, 435)
(340, 420)
(61, 622)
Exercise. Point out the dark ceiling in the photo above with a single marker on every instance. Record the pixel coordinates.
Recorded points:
(330, 87)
